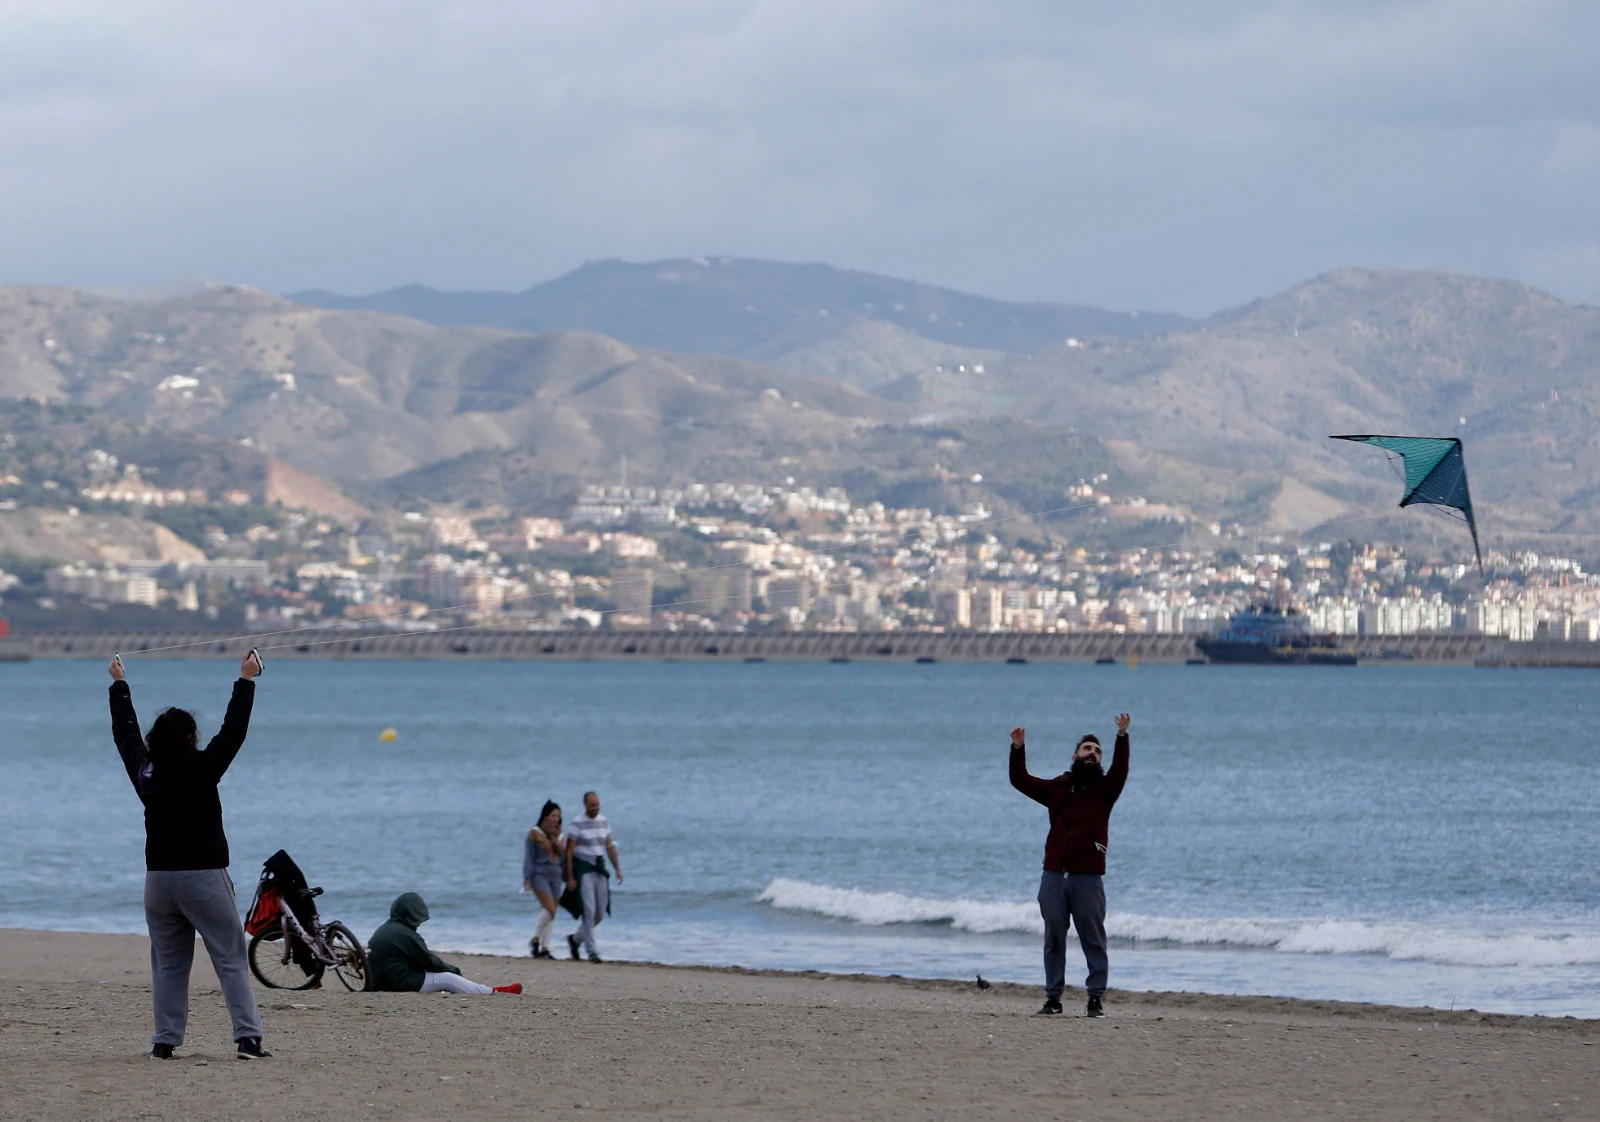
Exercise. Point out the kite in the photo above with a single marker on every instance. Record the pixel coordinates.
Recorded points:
(1436, 473)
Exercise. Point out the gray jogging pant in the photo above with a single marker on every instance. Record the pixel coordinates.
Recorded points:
(176, 906)
(1080, 898)
(596, 892)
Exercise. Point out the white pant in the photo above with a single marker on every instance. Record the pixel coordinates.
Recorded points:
(450, 983)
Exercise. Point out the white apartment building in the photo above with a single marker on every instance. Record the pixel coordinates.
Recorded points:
(1406, 617)
(1511, 619)
(112, 586)
(1334, 617)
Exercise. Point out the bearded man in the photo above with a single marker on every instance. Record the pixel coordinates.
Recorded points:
(1072, 887)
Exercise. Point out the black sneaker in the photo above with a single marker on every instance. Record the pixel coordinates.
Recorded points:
(1094, 1009)
(533, 947)
(161, 1051)
(572, 946)
(1050, 1008)
(250, 1049)
(595, 958)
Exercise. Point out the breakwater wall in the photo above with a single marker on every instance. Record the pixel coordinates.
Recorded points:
(776, 646)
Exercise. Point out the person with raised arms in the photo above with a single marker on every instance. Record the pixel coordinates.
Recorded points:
(1072, 888)
(186, 884)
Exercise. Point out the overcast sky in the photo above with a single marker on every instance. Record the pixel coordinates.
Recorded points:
(1177, 154)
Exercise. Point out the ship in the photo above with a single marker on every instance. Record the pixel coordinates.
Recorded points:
(1272, 635)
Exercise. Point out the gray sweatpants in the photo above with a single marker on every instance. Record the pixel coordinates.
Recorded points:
(596, 892)
(1080, 898)
(176, 906)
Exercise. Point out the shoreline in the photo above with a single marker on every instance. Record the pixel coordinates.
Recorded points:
(1198, 999)
(643, 1040)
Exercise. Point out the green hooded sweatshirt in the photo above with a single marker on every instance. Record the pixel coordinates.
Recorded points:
(396, 954)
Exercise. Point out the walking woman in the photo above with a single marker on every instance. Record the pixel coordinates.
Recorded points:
(541, 873)
(186, 883)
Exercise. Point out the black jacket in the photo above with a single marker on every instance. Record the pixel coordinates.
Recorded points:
(182, 812)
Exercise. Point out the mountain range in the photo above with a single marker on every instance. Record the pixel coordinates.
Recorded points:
(756, 310)
(899, 390)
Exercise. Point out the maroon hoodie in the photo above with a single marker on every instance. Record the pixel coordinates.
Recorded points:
(1079, 816)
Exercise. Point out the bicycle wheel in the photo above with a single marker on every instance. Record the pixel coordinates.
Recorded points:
(273, 964)
(349, 959)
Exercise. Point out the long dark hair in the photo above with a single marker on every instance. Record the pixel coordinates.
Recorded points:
(549, 805)
(173, 742)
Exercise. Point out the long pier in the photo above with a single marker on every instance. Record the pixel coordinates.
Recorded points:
(762, 646)
(720, 646)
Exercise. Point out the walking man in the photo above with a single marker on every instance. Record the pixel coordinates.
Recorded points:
(1072, 887)
(589, 843)
(186, 883)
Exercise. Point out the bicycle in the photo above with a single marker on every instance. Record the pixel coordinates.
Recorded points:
(290, 947)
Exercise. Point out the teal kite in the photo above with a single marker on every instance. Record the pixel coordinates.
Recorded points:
(1436, 473)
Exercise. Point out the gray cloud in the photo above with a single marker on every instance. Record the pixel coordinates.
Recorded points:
(1149, 153)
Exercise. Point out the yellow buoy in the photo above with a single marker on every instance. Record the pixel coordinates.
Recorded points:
(388, 736)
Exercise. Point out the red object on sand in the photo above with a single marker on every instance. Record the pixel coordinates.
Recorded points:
(514, 987)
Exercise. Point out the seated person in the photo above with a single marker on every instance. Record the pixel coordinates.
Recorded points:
(399, 960)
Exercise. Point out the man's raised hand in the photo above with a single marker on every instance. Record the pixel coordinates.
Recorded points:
(1018, 737)
(1122, 724)
(249, 665)
(115, 669)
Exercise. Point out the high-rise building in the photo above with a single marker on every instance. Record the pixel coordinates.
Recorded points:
(715, 592)
(632, 590)
(789, 592)
(988, 608)
(953, 607)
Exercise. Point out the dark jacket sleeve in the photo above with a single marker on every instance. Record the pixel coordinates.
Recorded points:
(1039, 790)
(419, 957)
(230, 737)
(437, 965)
(125, 731)
(1118, 775)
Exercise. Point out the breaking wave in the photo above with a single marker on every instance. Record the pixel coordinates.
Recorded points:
(1454, 946)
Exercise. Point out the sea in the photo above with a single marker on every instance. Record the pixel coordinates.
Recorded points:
(1413, 835)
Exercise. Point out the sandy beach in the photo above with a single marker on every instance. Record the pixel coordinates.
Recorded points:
(627, 1040)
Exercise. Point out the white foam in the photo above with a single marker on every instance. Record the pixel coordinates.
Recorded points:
(1456, 946)
(877, 909)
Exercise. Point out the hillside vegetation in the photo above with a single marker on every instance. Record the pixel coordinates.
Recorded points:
(1228, 417)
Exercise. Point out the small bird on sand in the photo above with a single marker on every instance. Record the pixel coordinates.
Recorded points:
(982, 985)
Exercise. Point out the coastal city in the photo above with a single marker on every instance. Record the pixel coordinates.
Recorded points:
(746, 557)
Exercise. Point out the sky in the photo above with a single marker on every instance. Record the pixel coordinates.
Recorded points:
(1186, 155)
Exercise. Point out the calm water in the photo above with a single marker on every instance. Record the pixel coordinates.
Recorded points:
(1414, 835)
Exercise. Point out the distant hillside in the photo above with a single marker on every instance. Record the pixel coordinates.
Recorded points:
(1260, 388)
(1229, 417)
(760, 310)
(53, 451)
(393, 409)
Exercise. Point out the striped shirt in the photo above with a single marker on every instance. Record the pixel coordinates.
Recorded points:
(589, 836)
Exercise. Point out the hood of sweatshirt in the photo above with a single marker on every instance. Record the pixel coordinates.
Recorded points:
(408, 908)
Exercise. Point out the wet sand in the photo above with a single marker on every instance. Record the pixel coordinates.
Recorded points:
(630, 1040)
